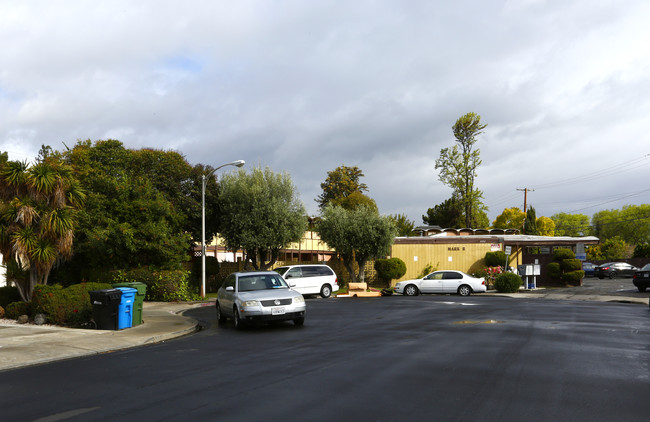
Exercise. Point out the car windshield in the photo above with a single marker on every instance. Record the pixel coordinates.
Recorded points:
(646, 267)
(281, 270)
(249, 283)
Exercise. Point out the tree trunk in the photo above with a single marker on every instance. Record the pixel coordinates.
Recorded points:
(349, 265)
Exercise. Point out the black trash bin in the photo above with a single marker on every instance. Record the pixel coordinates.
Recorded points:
(105, 308)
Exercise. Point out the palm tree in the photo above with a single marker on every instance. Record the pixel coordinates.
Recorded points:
(38, 210)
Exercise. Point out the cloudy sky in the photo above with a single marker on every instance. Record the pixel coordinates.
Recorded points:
(305, 86)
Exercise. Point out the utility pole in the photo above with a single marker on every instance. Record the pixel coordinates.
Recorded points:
(525, 190)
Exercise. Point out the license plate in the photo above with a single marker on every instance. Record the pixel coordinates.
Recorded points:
(277, 311)
(646, 275)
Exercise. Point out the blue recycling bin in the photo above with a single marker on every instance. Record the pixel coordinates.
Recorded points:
(125, 309)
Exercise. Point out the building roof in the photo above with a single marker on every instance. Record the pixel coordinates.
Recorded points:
(508, 239)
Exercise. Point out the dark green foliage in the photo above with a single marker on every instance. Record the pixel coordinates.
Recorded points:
(554, 270)
(389, 269)
(562, 254)
(70, 306)
(162, 286)
(211, 272)
(642, 251)
(8, 295)
(16, 309)
(565, 267)
(507, 283)
(448, 214)
(495, 259)
(573, 277)
(569, 265)
(530, 223)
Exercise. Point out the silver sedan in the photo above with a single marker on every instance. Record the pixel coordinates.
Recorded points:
(445, 281)
(258, 296)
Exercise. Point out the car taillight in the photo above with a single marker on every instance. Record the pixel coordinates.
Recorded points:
(606, 268)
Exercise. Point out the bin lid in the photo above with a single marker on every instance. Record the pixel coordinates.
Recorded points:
(140, 287)
(127, 291)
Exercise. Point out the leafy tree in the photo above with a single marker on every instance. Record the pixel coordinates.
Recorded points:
(341, 183)
(574, 225)
(530, 223)
(448, 214)
(403, 225)
(631, 223)
(642, 251)
(389, 269)
(545, 226)
(355, 200)
(138, 211)
(39, 205)
(357, 235)
(261, 213)
(615, 248)
(458, 165)
(510, 218)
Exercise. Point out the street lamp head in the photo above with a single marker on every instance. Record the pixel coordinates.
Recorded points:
(238, 163)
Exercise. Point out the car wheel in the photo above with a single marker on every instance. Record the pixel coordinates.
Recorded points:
(410, 290)
(612, 275)
(325, 291)
(464, 290)
(221, 318)
(641, 288)
(299, 322)
(239, 323)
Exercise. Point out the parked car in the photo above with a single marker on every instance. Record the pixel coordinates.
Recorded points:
(588, 268)
(615, 269)
(310, 279)
(258, 296)
(445, 281)
(641, 278)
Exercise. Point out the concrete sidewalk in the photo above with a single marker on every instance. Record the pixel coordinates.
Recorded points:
(559, 294)
(27, 344)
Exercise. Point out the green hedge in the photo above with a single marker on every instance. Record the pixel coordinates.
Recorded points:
(573, 277)
(495, 259)
(162, 286)
(562, 254)
(389, 269)
(569, 265)
(68, 306)
(16, 309)
(507, 283)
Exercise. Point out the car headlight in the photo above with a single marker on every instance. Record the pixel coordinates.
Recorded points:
(298, 299)
(249, 303)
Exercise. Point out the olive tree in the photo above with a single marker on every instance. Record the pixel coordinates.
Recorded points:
(357, 235)
(261, 213)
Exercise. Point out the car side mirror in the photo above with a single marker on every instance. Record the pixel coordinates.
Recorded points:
(292, 285)
(289, 276)
(230, 289)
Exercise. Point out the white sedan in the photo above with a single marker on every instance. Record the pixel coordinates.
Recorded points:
(445, 281)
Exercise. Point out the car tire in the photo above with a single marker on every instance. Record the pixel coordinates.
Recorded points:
(464, 290)
(239, 323)
(641, 288)
(410, 290)
(612, 275)
(299, 322)
(325, 291)
(221, 318)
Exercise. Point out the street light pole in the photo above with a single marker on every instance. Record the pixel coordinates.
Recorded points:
(237, 163)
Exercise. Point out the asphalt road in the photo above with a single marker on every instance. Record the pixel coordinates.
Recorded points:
(441, 358)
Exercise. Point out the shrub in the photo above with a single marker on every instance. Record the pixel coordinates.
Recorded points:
(495, 259)
(569, 265)
(389, 269)
(2, 312)
(507, 283)
(8, 295)
(554, 270)
(428, 269)
(16, 309)
(642, 251)
(573, 277)
(562, 254)
(65, 306)
(163, 286)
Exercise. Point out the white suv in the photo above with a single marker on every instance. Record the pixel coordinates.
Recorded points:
(310, 279)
